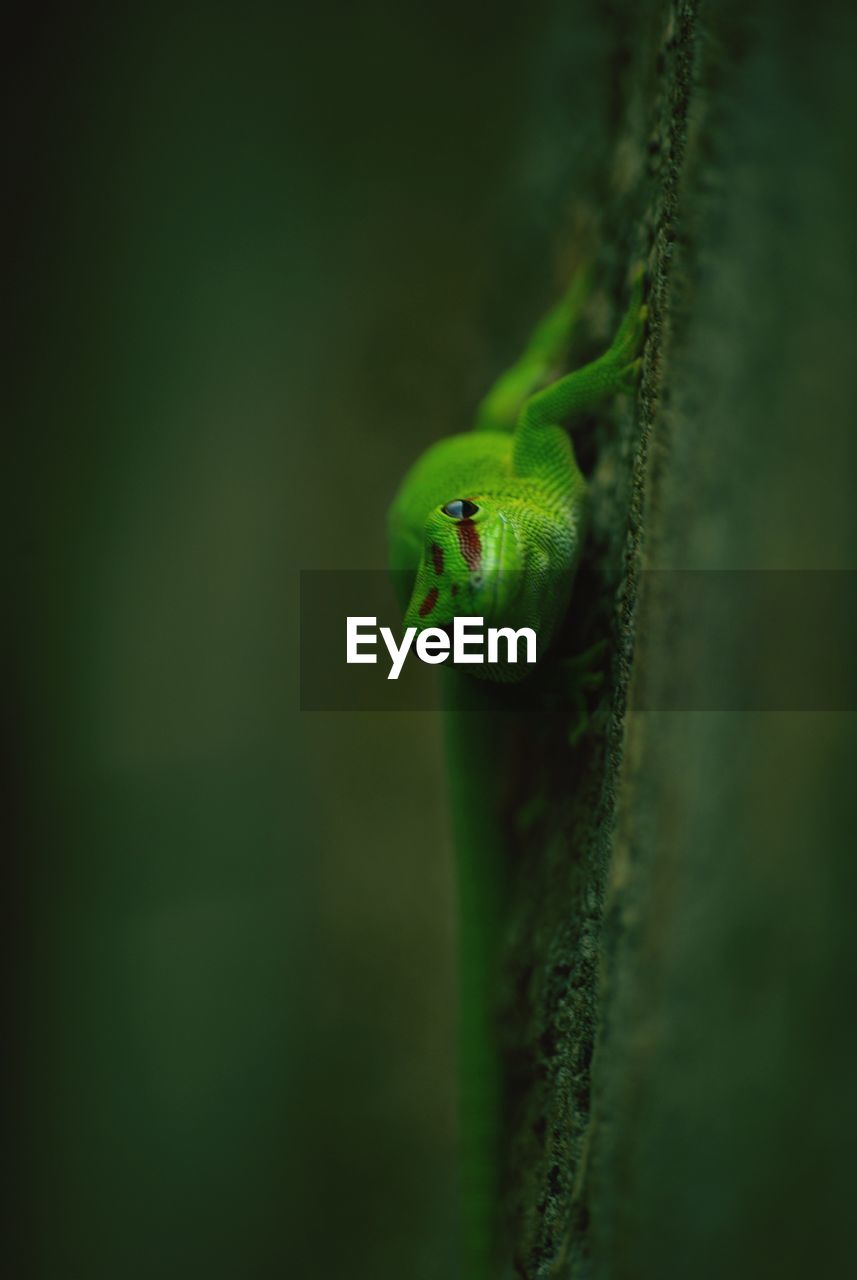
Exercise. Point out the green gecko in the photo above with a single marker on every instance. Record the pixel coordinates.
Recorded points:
(492, 520)
(491, 523)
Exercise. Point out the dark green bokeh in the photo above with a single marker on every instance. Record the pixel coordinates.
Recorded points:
(261, 255)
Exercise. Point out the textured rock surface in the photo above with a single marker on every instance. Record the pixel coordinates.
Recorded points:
(682, 1098)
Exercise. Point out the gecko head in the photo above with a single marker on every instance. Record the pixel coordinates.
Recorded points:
(469, 566)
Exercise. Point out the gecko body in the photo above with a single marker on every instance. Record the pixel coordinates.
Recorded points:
(491, 523)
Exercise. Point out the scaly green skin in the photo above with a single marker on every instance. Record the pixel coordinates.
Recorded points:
(511, 559)
(491, 524)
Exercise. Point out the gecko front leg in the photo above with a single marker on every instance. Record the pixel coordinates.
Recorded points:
(543, 356)
(537, 449)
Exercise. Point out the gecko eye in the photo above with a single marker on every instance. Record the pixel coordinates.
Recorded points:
(460, 509)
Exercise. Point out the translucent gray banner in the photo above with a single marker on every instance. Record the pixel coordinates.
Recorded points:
(772, 640)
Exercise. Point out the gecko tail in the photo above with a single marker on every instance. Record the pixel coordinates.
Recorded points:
(475, 733)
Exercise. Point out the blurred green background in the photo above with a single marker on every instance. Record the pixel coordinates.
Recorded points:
(259, 256)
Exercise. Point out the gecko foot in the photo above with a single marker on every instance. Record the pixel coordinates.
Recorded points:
(571, 681)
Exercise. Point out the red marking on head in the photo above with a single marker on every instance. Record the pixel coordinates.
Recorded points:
(471, 546)
(429, 603)
(437, 557)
